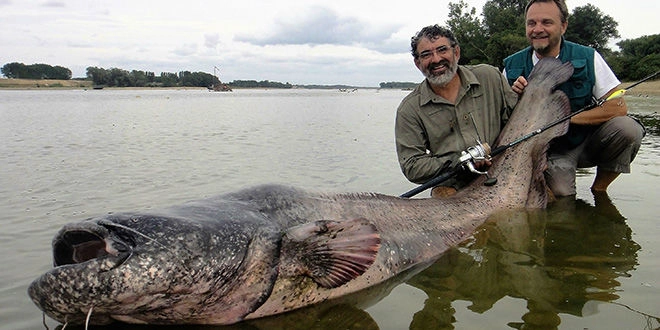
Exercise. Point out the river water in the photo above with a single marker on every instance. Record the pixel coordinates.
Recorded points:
(589, 262)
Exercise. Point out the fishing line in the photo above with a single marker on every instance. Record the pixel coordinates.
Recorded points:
(112, 224)
(43, 320)
(89, 316)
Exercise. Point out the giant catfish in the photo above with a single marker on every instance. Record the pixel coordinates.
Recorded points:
(272, 249)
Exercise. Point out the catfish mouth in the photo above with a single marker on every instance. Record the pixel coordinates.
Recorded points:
(79, 245)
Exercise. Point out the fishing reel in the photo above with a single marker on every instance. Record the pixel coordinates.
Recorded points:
(474, 154)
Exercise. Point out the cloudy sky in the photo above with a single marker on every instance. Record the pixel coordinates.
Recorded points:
(353, 42)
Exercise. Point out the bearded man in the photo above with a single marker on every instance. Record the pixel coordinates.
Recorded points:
(453, 108)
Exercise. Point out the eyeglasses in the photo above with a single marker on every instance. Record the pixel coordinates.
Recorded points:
(442, 50)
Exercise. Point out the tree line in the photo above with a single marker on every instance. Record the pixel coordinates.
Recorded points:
(35, 71)
(259, 84)
(115, 77)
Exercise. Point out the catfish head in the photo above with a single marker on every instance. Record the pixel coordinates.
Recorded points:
(208, 262)
(150, 268)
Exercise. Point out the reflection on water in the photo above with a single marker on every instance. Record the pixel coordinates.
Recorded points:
(651, 122)
(556, 261)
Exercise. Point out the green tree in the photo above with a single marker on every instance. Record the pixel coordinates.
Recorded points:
(139, 78)
(119, 78)
(168, 79)
(35, 71)
(98, 76)
(505, 21)
(15, 70)
(469, 31)
(196, 79)
(60, 72)
(588, 25)
(637, 59)
(203, 79)
(505, 15)
(45, 71)
(500, 33)
(115, 77)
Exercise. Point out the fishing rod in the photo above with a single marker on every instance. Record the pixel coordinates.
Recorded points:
(481, 152)
(596, 103)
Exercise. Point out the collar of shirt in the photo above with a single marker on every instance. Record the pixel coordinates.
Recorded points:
(467, 79)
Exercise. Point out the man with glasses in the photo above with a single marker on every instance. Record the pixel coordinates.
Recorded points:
(455, 107)
(604, 136)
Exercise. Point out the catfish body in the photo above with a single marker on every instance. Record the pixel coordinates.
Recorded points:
(270, 249)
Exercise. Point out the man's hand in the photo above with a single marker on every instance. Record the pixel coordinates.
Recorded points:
(483, 165)
(519, 85)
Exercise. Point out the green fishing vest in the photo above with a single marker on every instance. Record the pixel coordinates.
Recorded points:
(578, 88)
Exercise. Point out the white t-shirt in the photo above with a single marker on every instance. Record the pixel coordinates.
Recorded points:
(606, 80)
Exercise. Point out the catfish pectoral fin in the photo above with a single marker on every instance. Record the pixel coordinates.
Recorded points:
(330, 252)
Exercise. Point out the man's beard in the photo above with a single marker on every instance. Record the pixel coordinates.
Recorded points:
(443, 78)
(542, 48)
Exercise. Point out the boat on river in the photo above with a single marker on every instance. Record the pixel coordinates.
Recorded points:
(217, 85)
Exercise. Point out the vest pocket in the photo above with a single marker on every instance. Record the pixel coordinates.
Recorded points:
(581, 87)
(512, 74)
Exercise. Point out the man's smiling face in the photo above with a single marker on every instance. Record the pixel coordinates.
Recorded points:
(437, 59)
(544, 28)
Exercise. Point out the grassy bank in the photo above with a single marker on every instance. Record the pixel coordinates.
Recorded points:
(651, 87)
(43, 83)
(65, 84)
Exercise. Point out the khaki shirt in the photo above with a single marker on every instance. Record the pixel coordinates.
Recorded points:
(430, 130)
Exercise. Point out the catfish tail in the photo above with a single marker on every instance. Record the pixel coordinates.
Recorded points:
(533, 110)
(540, 105)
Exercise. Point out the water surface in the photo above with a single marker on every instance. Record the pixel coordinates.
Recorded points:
(588, 262)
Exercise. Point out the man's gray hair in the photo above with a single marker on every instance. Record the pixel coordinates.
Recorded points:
(431, 32)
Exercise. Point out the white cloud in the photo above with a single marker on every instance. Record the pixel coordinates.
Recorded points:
(185, 50)
(317, 26)
(355, 42)
(59, 4)
(211, 40)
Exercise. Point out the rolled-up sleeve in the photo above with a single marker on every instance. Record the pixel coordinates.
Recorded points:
(417, 164)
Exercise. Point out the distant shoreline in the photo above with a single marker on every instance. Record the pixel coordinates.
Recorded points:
(43, 83)
(645, 88)
(32, 84)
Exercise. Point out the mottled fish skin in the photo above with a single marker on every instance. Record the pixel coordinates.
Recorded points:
(270, 249)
